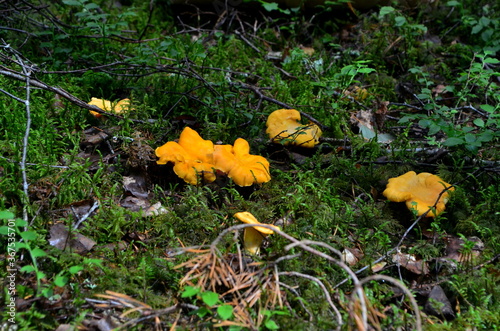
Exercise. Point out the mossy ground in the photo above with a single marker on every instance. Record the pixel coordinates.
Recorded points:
(428, 75)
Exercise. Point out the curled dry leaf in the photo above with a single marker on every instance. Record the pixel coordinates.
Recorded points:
(61, 238)
(351, 256)
(348, 257)
(455, 249)
(365, 121)
(378, 266)
(411, 263)
(136, 186)
(138, 200)
(141, 204)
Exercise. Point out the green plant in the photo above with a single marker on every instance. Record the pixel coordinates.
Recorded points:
(211, 301)
(17, 228)
(429, 74)
(20, 240)
(481, 23)
(471, 133)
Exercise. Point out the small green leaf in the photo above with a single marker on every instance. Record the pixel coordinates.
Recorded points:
(190, 291)
(38, 252)
(271, 325)
(75, 269)
(5, 215)
(488, 108)
(433, 129)
(28, 235)
(476, 29)
(40, 275)
(91, 5)
(453, 141)
(491, 60)
(72, 2)
(385, 10)
(225, 312)
(5, 230)
(270, 6)
(209, 298)
(61, 280)
(470, 138)
(485, 136)
(27, 268)
(202, 312)
(365, 70)
(400, 20)
(21, 223)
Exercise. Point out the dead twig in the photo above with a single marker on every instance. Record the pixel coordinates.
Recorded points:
(402, 287)
(323, 288)
(37, 83)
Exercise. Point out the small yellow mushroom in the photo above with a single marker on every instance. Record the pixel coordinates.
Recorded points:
(420, 192)
(106, 105)
(283, 126)
(253, 236)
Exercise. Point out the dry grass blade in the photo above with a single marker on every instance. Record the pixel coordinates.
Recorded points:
(124, 300)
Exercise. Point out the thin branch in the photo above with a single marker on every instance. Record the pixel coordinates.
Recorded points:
(87, 214)
(27, 71)
(402, 287)
(323, 287)
(10, 95)
(262, 96)
(27, 79)
(37, 83)
(301, 302)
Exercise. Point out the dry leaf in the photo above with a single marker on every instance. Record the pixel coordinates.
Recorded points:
(136, 186)
(348, 257)
(365, 121)
(455, 247)
(411, 263)
(60, 238)
(307, 50)
(138, 204)
(378, 266)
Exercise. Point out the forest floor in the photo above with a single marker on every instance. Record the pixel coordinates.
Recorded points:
(102, 229)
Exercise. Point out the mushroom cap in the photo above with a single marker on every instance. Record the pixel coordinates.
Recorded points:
(246, 169)
(106, 105)
(248, 218)
(224, 158)
(283, 126)
(253, 236)
(420, 192)
(193, 156)
(194, 172)
(196, 146)
(171, 152)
